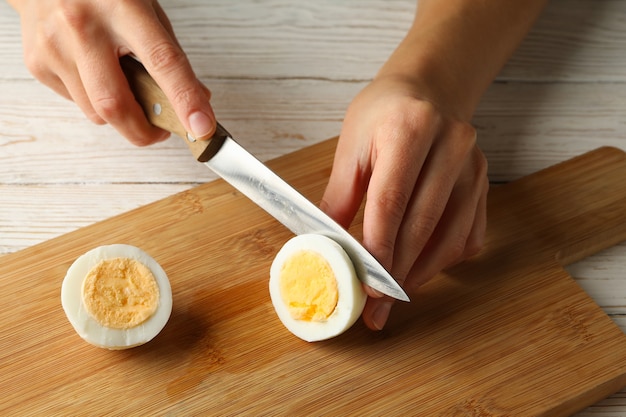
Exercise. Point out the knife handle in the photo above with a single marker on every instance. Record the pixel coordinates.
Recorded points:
(159, 110)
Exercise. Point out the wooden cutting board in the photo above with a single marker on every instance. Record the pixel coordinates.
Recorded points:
(508, 333)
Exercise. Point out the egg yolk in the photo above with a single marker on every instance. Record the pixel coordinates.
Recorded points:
(308, 287)
(120, 293)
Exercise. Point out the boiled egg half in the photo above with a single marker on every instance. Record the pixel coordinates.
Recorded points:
(314, 288)
(116, 296)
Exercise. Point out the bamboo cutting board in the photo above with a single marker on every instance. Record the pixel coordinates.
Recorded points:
(508, 333)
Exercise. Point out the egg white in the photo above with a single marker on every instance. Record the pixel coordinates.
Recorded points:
(351, 295)
(92, 331)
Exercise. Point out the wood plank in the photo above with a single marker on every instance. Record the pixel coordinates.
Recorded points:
(575, 40)
(607, 407)
(31, 214)
(522, 128)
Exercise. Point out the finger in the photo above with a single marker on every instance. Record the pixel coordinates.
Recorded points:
(395, 173)
(459, 232)
(432, 194)
(439, 252)
(376, 312)
(69, 85)
(347, 183)
(167, 63)
(53, 81)
(107, 91)
(96, 83)
(476, 239)
(59, 73)
(72, 81)
(423, 213)
(165, 21)
(391, 187)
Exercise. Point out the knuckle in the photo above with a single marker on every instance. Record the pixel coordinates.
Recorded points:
(392, 204)
(416, 117)
(183, 96)
(456, 249)
(460, 140)
(476, 240)
(34, 65)
(479, 172)
(476, 171)
(138, 140)
(383, 248)
(423, 227)
(426, 113)
(164, 56)
(108, 107)
(75, 16)
(481, 163)
(42, 53)
(421, 236)
(468, 133)
(95, 118)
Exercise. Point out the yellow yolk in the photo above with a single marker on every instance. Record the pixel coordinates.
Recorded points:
(308, 286)
(120, 293)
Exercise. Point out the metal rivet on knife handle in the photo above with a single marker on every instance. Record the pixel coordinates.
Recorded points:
(160, 112)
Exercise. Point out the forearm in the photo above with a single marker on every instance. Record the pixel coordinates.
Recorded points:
(14, 3)
(455, 48)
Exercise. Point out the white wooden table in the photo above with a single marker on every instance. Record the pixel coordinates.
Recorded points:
(282, 75)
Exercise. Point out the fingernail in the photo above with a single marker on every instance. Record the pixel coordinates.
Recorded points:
(372, 292)
(201, 124)
(380, 315)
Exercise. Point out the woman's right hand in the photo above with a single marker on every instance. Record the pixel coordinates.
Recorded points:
(74, 48)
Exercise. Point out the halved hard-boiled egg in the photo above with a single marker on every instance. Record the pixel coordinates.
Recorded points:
(314, 288)
(116, 296)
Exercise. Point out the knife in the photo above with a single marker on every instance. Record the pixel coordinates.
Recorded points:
(252, 178)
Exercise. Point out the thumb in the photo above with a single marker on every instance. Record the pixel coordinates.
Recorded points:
(186, 93)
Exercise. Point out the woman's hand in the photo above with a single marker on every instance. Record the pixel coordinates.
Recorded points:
(425, 183)
(407, 146)
(74, 48)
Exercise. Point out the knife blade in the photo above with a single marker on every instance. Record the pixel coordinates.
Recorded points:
(252, 178)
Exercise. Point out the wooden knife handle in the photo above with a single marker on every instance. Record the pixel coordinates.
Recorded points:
(160, 112)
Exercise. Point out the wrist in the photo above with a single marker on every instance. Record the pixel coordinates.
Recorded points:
(439, 73)
(456, 48)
